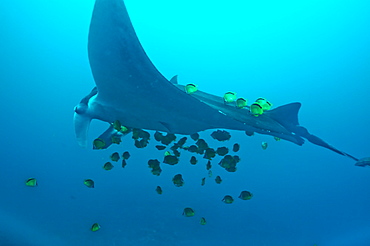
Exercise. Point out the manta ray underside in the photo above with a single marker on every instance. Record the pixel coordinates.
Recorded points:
(131, 90)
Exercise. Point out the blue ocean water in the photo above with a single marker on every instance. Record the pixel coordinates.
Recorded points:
(314, 52)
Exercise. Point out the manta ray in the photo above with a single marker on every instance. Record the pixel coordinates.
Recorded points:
(131, 90)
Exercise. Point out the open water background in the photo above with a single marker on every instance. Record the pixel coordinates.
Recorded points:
(314, 52)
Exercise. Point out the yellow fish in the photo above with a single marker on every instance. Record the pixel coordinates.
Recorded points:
(241, 103)
(159, 190)
(245, 195)
(177, 180)
(229, 97)
(89, 183)
(203, 221)
(228, 199)
(256, 109)
(95, 227)
(114, 156)
(190, 88)
(203, 181)
(108, 166)
(218, 180)
(264, 145)
(188, 212)
(99, 143)
(31, 182)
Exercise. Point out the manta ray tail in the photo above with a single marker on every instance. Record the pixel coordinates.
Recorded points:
(287, 115)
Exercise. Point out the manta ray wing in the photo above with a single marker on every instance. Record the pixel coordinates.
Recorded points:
(131, 89)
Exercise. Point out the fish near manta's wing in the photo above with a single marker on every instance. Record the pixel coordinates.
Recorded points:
(262, 124)
(129, 85)
(281, 122)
